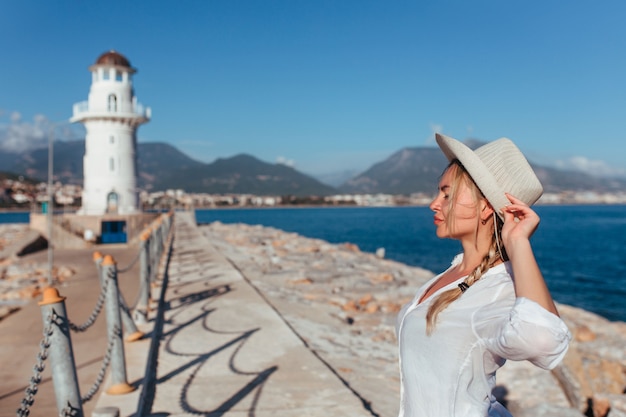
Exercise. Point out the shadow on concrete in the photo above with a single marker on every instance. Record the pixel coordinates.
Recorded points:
(254, 386)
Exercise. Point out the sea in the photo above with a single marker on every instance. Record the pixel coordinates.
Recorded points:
(580, 249)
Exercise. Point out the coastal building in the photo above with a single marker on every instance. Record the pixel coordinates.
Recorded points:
(111, 116)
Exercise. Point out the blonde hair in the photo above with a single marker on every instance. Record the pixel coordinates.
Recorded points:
(493, 255)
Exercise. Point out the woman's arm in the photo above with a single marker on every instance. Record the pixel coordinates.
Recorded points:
(520, 222)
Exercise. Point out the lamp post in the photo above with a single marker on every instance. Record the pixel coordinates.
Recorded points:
(50, 202)
(50, 211)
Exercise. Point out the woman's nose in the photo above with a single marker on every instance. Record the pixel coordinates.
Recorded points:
(434, 205)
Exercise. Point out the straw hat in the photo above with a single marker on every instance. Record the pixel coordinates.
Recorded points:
(496, 168)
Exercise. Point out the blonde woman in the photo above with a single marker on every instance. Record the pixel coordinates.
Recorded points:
(492, 303)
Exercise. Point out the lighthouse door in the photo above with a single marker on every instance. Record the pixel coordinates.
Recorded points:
(112, 202)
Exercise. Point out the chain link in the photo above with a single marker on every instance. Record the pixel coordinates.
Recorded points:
(35, 379)
(127, 268)
(68, 411)
(105, 364)
(94, 314)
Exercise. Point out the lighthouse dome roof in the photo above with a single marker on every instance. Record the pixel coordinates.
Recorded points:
(114, 59)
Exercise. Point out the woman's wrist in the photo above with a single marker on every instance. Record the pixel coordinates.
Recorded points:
(518, 244)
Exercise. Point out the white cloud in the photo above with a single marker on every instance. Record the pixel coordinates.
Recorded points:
(593, 167)
(434, 128)
(17, 135)
(284, 161)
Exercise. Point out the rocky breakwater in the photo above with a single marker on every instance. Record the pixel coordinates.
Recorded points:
(343, 304)
(22, 280)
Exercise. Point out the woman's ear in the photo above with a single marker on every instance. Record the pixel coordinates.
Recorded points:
(486, 211)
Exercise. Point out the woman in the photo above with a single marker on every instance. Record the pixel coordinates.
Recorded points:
(492, 303)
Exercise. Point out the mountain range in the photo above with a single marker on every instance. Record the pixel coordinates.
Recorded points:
(161, 166)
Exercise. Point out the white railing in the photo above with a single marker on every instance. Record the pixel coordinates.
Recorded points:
(83, 109)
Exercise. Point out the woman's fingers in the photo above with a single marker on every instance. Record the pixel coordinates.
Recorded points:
(519, 219)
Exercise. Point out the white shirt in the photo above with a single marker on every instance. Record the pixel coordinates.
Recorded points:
(451, 373)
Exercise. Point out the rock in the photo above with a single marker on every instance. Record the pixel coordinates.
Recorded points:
(63, 272)
(301, 281)
(372, 308)
(351, 247)
(584, 334)
(350, 306)
(365, 299)
(380, 278)
(549, 410)
(600, 406)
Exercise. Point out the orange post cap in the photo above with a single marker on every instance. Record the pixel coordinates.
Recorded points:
(50, 295)
(108, 261)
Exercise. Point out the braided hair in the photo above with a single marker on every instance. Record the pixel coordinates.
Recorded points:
(495, 253)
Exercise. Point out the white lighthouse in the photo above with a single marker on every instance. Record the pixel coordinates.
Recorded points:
(111, 117)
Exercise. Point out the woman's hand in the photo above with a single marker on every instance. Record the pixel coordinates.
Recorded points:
(520, 222)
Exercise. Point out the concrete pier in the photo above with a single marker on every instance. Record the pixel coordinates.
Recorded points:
(218, 348)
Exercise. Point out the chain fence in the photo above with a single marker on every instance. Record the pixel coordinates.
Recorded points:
(35, 379)
(117, 332)
(95, 313)
(55, 346)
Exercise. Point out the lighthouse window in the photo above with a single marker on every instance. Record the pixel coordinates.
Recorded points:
(112, 102)
(106, 75)
(118, 76)
(111, 139)
(111, 164)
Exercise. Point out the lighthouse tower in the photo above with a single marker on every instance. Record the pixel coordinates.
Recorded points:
(111, 117)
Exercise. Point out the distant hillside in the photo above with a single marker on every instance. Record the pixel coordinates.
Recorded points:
(158, 163)
(407, 171)
(246, 174)
(413, 170)
(68, 162)
(161, 166)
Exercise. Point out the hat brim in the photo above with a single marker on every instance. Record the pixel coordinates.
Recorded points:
(493, 192)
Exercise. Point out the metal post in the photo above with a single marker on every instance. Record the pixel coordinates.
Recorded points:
(130, 328)
(141, 311)
(114, 330)
(153, 254)
(61, 354)
(155, 251)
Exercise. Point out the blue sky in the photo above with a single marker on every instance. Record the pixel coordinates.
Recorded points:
(331, 85)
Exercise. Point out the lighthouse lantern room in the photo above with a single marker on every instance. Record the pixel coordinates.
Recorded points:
(111, 116)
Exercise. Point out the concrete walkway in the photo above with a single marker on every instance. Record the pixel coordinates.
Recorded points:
(216, 347)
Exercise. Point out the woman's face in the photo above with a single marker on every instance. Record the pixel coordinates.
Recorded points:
(463, 220)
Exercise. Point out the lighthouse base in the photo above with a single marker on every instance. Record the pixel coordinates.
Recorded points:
(75, 231)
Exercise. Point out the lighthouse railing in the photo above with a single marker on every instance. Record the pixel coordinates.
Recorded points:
(133, 109)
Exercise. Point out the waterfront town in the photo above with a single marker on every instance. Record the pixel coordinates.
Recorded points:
(24, 195)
